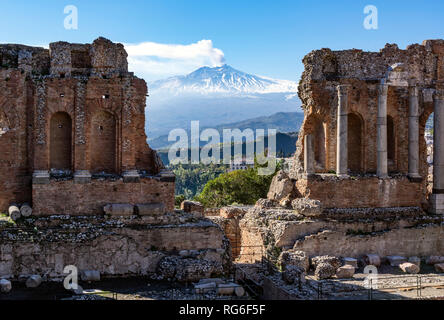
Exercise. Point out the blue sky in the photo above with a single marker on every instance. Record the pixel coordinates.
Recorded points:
(262, 37)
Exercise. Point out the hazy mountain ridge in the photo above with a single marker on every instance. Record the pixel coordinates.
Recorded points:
(283, 122)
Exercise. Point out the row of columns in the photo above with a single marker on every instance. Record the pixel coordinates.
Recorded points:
(437, 198)
(382, 156)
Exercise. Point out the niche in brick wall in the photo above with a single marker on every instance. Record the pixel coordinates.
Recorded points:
(103, 143)
(60, 141)
(319, 145)
(355, 146)
(391, 144)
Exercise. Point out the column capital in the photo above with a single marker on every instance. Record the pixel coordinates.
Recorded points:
(439, 94)
(383, 88)
(413, 88)
(343, 89)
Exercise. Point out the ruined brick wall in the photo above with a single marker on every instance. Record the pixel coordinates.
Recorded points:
(15, 174)
(366, 192)
(74, 107)
(326, 69)
(89, 199)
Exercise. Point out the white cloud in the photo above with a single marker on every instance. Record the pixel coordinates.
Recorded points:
(153, 61)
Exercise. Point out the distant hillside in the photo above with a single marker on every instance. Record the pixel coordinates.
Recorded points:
(283, 122)
(285, 147)
(215, 96)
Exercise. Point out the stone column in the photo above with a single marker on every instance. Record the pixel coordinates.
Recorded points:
(437, 198)
(342, 131)
(382, 170)
(413, 132)
(308, 155)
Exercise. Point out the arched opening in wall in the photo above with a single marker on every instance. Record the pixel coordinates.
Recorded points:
(103, 143)
(60, 141)
(391, 144)
(355, 135)
(319, 146)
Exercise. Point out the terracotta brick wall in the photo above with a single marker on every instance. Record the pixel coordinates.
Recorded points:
(66, 197)
(362, 192)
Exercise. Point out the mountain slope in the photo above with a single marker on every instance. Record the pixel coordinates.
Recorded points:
(283, 122)
(223, 80)
(215, 96)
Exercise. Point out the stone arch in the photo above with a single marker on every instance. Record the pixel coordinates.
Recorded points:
(391, 143)
(103, 142)
(355, 146)
(60, 145)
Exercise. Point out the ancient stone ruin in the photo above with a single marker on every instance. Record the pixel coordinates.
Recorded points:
(76, 167)
(359, 192)
(362, 153)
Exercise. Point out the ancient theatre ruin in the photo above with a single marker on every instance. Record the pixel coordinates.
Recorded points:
(73, 147)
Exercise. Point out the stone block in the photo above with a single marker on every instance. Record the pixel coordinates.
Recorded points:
(345, 272)
(232, 212)
(90, 275)
(334, 261)
(294, 275)
(226, 289)
(372, 259)
(409, 267)
(40, 177)
(415, 260)
(307, 207)
(439, 267)
(5, 286)
(153, 209)
(350, 262)
(82, 177)
(131, 176)
(167, 176)
(193, 207)
(437, 203)
(432, 260)
(294, 258)
(34, 281)
(325, 271)
(395, 261)
(119, 210)
(205, 287)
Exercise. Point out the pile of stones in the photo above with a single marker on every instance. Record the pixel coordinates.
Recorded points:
(219, 286)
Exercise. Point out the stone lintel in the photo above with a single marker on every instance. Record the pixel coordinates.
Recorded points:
(167, 176)
(82, 177)
(131, 176)
(415, 178)
(41, 177)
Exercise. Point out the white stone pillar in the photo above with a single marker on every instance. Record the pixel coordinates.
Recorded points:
(382, 170)
(437, 198)
(308, 155)
(413, 132)
(342, 131)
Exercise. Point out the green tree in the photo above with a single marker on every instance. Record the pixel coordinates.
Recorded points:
(237, 187)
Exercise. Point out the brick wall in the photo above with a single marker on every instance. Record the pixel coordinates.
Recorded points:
(66, 197)
(362, 192)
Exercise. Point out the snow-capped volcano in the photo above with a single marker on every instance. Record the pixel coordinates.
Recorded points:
(222, 80)
(215, 96)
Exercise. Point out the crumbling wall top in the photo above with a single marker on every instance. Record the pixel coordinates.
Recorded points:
(102, 58)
